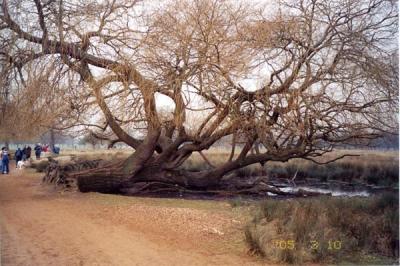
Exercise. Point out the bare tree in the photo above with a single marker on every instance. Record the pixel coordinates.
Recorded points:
(322, 75)
(32, 104)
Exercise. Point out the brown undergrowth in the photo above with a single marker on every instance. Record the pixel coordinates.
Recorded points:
(372, 167)
(327, 230)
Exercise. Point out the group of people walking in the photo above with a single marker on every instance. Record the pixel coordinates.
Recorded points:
(20, 155)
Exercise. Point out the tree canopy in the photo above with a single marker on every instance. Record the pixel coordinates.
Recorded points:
(291, 79)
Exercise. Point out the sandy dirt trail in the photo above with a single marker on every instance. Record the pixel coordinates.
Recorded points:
(40, 226)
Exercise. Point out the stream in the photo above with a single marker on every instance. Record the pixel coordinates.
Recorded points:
(333, 187)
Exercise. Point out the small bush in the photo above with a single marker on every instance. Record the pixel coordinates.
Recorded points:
(326, 230)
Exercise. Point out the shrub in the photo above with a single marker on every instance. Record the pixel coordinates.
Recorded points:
(326, 230)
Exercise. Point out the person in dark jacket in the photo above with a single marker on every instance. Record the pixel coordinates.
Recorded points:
(38, 151)
(24, 154)
(18, 156)
(56, 150)
(5, 161)
(28, 152)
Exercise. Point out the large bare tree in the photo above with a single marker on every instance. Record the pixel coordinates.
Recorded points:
(30, 103)
(293, 80)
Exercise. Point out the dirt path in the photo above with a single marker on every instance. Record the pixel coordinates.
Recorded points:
(40, 226)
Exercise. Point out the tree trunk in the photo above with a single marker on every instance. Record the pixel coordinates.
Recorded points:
(52, 140)
(147, 180)
(101, 182)
(97, 176)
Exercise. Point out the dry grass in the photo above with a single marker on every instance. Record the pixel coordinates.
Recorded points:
(370, 169)
(328, 230)
(98, 154)
(373, 167)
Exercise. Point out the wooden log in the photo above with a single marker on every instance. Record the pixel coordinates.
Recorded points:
(104, 182)
(60, 174)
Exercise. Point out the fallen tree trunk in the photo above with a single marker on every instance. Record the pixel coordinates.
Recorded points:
(98, 176)
(101, 183)
(59, 174)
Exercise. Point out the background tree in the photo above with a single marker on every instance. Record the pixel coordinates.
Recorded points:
(30, 105)
(321, 74)
(91, 139)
